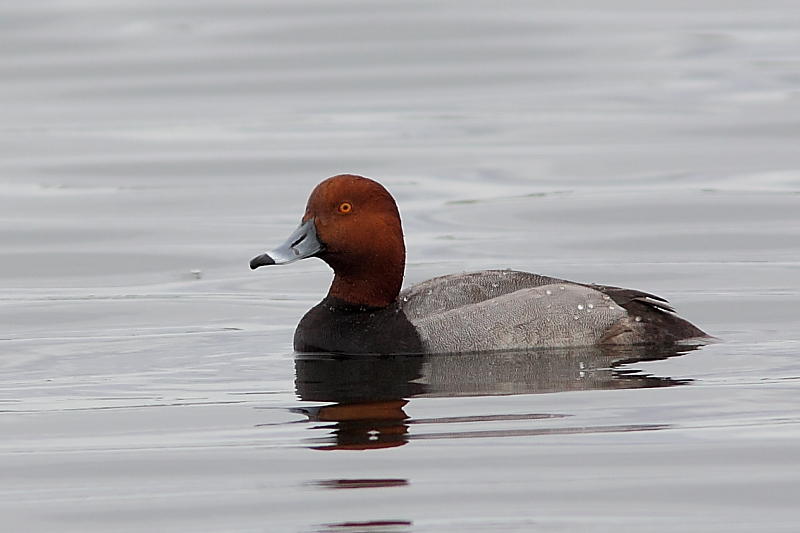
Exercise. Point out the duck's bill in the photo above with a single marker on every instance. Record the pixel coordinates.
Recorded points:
(302, 243)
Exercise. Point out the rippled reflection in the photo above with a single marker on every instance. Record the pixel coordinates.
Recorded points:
(373, 526)
(359, 483)
(367, 394)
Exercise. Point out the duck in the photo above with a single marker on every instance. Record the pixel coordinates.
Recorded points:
(353, 224)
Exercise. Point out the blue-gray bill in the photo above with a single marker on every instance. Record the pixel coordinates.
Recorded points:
(302, 243)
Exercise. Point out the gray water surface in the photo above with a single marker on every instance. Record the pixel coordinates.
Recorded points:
(149, 149)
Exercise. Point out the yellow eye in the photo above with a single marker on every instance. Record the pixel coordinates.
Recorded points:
(345, 207)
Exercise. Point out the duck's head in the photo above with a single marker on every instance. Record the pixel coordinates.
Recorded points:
(352, 223)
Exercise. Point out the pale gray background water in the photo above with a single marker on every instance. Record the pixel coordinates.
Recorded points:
(148, 149)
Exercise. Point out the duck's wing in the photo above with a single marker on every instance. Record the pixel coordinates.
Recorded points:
(445, 293)
(555, 315)
(506, 309)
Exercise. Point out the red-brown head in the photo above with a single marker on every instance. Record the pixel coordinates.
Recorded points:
(351, 223)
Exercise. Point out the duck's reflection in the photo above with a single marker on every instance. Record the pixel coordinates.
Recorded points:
(367, 394)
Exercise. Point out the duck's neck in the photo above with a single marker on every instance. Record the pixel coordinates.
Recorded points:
(374, 285)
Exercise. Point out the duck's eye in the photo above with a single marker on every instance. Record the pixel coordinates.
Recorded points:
(345, 207)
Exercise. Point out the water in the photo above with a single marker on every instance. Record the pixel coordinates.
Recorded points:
(150, 149)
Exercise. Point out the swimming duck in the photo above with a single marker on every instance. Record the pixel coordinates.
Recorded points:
(353, 224)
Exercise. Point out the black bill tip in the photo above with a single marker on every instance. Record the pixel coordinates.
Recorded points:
(261, 260)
